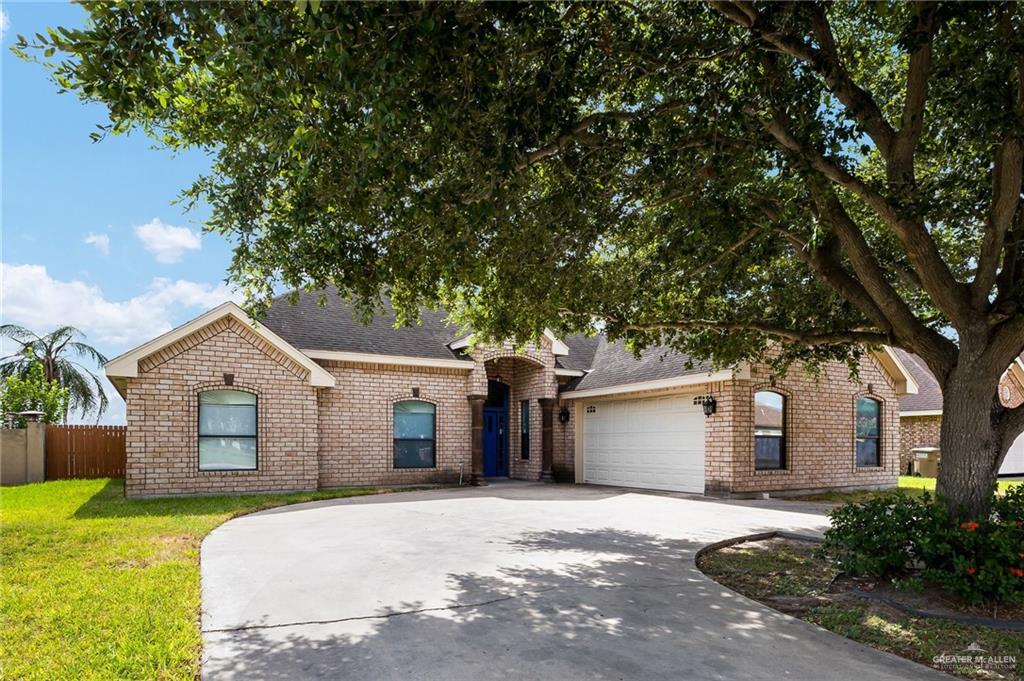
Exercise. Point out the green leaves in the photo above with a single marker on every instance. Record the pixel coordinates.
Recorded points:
(554, 166)
(33, 393)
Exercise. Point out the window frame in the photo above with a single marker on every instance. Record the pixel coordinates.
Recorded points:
(396, 440)
(877, 438)
(782, 438)
(524, 430)
(200, 437)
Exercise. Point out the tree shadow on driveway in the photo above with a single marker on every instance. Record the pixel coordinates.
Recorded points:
(589, 604)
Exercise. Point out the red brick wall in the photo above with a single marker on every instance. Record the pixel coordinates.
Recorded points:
(162, 410)
(356, 423)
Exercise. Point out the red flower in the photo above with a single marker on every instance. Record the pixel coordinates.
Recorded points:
(969, 526)
(1017, 572)
(971, 570)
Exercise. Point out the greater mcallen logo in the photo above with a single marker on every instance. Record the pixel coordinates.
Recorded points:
(975, 657)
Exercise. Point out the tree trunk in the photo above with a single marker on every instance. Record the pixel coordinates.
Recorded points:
(971, 444)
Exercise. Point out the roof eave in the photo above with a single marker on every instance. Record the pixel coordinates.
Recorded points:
(126, 365)
(902, 379)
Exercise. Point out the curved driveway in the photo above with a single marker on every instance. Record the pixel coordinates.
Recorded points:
(511, 581)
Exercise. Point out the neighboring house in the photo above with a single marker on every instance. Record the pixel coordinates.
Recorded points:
(921, 413)
(310, 398)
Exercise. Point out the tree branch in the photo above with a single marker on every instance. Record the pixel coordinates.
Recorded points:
(910, 331)
(810, 338)
(825, 61)
(901, 164)
(949, 294)
(824, 261)
(582, 128)
(1007, 173)
(743, 240)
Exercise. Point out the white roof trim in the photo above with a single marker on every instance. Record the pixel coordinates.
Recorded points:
(399, 360)
(922, 412)
(559, 371)
(675, 382)
(558, 348)
(127, 365)
(902, 379)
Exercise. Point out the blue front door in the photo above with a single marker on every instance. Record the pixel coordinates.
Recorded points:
(495, 441)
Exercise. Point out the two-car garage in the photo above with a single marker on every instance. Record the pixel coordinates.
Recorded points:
(652, 443)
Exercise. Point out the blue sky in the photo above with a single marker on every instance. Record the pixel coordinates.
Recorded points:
(90, 234)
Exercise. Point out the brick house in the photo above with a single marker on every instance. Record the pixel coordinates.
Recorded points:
(310, 398)
(921, 413)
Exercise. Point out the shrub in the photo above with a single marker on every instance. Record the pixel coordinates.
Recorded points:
(906, 538)
(33, 393)
(878, 537)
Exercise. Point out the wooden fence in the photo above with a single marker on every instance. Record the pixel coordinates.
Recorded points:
(85, 452)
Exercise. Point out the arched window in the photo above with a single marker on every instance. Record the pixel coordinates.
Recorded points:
(414, 434)
(227, 430)
(769, 430)
(869, 432)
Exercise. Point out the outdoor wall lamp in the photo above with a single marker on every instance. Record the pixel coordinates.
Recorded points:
(563, 415)
(710, 405)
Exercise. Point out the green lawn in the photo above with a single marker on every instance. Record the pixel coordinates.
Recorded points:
(908, 484)
(95, 586)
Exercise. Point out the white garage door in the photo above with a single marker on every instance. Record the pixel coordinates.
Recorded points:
(1013, 464)
(655, 443)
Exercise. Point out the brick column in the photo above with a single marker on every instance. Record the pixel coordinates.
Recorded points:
(476, 409)
(547, 411)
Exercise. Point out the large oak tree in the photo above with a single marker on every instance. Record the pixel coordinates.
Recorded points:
(716, 177)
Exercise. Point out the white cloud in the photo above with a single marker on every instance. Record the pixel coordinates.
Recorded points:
(167, 242)
(32, 298)
(100, 241)
(5, 22)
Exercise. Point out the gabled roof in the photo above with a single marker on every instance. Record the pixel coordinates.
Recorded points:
(581, 352)
(892, 363)
(928, 399)
(127, 365)
(612, 364)
(334, 327)
(558, 348)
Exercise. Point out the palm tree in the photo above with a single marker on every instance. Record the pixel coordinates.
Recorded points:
(54, 351)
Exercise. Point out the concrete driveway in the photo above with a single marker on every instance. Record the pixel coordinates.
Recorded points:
(511, 581)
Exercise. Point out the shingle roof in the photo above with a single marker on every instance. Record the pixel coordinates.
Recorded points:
(307, 325)
(333, 326)
(581, 352)
(929, 393)
(613, 365)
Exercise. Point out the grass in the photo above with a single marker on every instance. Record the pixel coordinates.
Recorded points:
(908, 484)
(784, 572)
(96, 586)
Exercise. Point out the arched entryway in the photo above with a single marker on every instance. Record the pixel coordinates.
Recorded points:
(512, 423)
(496, 462)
